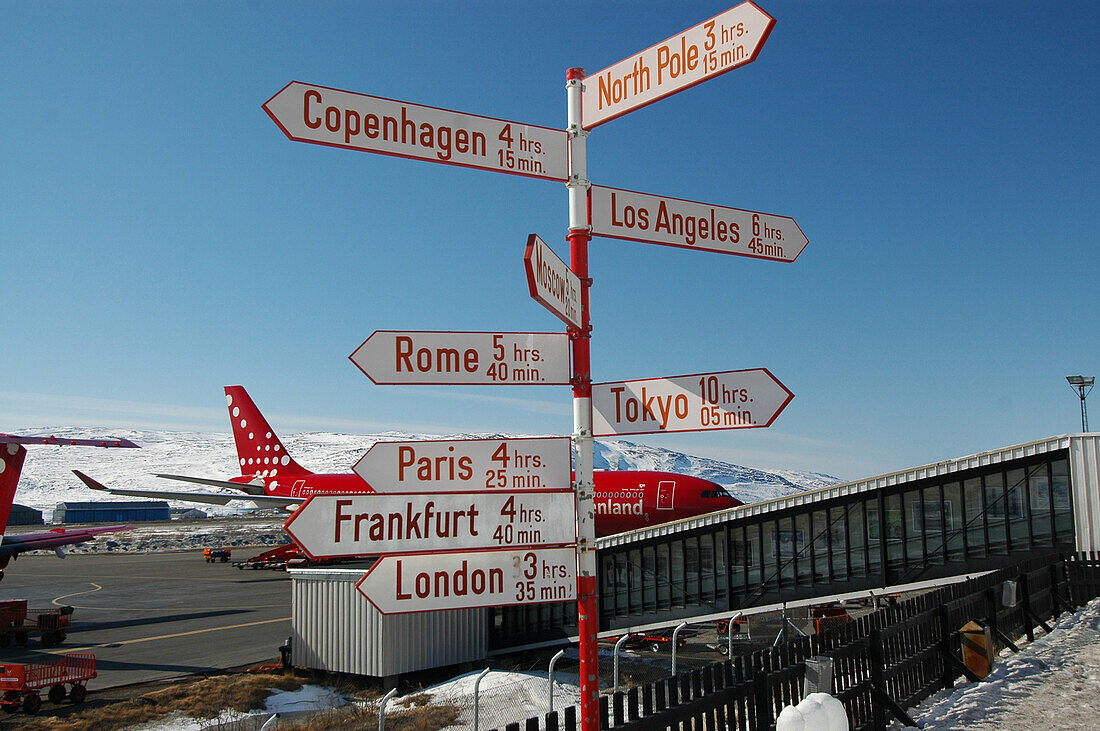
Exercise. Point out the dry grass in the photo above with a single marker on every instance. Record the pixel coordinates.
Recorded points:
(356, 718)
(205, 698)
(211, 697)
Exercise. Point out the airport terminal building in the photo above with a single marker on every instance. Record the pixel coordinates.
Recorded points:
(953, 518)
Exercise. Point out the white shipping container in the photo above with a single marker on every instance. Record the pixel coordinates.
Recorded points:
(334, 628)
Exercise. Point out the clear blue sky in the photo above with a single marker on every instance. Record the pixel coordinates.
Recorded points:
(161, 237)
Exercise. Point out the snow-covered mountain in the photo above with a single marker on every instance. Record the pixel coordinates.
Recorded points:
(48, 478)
(747, 484)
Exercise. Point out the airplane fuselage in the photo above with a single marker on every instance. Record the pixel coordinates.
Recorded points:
(623, 500)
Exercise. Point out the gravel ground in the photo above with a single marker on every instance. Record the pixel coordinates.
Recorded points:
(187, 535)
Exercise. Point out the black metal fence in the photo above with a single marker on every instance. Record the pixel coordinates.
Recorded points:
(883, 663)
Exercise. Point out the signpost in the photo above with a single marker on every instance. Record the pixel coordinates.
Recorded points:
(464, 358)
(469, 464)
(745, 399)
(379, 524)
(552, 282)
(435, 547)
(651, 219)
(726, 41)
(324, 116)
(469, 580)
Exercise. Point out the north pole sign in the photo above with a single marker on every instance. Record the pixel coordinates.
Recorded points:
(324, 116)
(744, 399)
(652, 219)
(464, 358)
(470, 580)
(715, 46)
(467, 464)
(378, 524)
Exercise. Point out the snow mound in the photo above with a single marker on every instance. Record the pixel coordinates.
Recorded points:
(1054, 682)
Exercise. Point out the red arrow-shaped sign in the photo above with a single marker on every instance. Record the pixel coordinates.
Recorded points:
(464, 358)
(654, 219)
(715, 46)
(324, 116)
(745, 399)
(404, 584)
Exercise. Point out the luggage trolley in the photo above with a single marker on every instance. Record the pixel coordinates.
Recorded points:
(20, 683)
(17, 623)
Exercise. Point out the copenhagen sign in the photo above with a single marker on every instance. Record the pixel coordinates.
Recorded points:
(745, 399)
(378, 524)
(324, 116)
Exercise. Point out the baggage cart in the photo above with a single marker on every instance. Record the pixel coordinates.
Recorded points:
(21, 684)
(17, 622)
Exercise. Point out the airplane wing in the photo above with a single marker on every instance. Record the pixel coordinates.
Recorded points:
(249, 488)
(14, 545)
(11, 438)
(213, 498)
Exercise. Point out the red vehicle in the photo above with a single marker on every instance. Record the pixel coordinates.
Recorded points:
(623, 500)
(723, 625)
(829, 616)
(17, 623)
(275, 558)
(282, 557)
(216, 554)
(20, 684)
(654, 640)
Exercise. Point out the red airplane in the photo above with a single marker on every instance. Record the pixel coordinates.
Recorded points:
(12, 454)
(624, 500)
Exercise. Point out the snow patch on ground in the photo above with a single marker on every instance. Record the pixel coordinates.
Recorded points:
(1054, 682)
(503, 697)
(306, 698)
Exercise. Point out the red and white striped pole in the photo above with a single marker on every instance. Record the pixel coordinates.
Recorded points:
(579, 236)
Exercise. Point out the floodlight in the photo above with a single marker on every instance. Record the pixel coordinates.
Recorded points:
(1082, 385)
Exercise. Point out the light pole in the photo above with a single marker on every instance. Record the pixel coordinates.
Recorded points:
(1082, 385)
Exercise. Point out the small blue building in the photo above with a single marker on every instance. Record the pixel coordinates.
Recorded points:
(111, 512)
(22, 515)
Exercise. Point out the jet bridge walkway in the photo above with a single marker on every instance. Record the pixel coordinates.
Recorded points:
(922, 526)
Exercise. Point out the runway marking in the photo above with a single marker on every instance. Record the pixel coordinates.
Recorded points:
(166, 637)
(77, 593)
(158, 577)
(175, 609)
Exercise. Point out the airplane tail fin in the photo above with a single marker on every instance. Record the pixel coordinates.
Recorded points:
(11, 464)
(259, 450)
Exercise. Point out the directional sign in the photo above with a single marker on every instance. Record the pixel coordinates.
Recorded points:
(463, 465)
(726, 41)
(324, 116)
(552, 282)
(403, 584)
(464, 358)
(651, 219)
(379, 524)
(701, 402)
